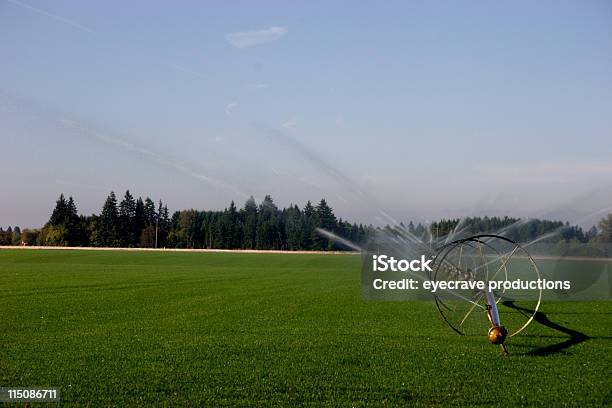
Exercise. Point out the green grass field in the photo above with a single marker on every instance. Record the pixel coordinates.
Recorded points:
(213, 329)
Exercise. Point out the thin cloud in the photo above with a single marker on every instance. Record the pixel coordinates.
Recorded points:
(230, 107)
(245, 39)
(51, 15)
(290, 124)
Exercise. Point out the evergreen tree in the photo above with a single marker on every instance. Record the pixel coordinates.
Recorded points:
(72, 212)
(309, 224)
(163, 224)
(223, 231)
(127, 219)
(149, 212)
(326, 220)
(59, 214)
(236, 230)
(294, 228)
(268, 234)
(75, 230)
(6, 237)
(64, 227)
(208, 230)
(139, 219)
(108, 225)
(249, 216)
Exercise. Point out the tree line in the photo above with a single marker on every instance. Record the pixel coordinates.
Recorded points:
(264, 226)
(134, 222)
(140, 223)
(523, 230)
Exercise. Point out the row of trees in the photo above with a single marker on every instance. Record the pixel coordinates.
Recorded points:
(130, 223)
(140, 223)
(10, 236)
(264, 226)
(516, 229)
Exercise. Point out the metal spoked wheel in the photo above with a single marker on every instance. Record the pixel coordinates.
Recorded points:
(494, 260)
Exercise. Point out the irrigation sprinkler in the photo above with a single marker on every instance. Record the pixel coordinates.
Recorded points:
(492, 259)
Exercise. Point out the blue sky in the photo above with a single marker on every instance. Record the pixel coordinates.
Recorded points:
(420, 109)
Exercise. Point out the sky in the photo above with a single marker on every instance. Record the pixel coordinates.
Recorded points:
(401, 111)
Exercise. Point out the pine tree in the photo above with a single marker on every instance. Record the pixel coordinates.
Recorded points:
(59, 214)
(64, 226)
(149, 212)
(108, 224)
(325, 220)
(223, 231)
(163, 224)
(127, 218)
(236, 229)
(165, 216)
(7, 238)
(72, 212)
(268, 235)
(309, 225)
(139, 219)
(249, 217)
(74, 228)
(294, 228)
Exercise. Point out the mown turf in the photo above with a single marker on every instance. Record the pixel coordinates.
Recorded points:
(213, 329)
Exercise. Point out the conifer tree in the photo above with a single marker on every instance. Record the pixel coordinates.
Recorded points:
(139, 219)
(149, 212)
(268, 235)
(326, 220)
(59, 214)
(249, 217)
(108, 223)
(127, 219)
(294, 228)
(309, 225)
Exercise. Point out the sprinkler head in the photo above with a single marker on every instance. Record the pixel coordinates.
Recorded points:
(497, 334)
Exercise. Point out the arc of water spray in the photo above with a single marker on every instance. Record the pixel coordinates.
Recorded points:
(51, 15)
(120, 142)
(151, 155)
(339, 239)
(345, 181)
(543, 237)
